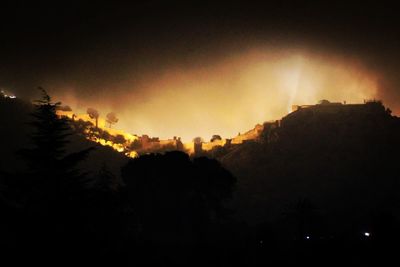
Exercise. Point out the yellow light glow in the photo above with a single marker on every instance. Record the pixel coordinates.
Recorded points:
(231, 95)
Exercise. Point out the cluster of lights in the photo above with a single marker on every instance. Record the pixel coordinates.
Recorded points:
(5, 95)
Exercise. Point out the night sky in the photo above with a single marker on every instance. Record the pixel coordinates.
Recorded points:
(190, 60)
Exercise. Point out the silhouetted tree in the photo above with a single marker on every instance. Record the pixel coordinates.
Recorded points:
(119, 139)
(81, 126)
(106, 217)
(111, 118)
(198, 146)
(215, 137)
(198, 140)
(179, 144)
(177, 200)
(105, 135)
(135, 145)
(93, 114)
(48, 153)
(54, 182)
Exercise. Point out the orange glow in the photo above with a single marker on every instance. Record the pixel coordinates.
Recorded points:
(102, 125)
(231, 95)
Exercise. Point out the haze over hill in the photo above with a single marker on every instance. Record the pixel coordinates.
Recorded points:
(226, 96)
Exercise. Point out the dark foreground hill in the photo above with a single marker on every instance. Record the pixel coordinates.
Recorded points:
(330, 169)
(320, 189)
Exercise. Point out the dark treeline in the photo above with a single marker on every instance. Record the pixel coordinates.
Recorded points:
(320, 189)
(166, 209)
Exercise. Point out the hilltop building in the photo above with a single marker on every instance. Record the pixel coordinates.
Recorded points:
(326, 107)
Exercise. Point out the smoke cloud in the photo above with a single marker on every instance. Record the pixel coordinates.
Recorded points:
(228, 95)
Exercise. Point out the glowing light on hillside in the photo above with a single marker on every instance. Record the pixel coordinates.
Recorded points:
(231, 95)
(7, 94)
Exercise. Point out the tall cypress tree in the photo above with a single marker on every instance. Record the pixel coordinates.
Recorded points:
(47, 158)
(54, 182)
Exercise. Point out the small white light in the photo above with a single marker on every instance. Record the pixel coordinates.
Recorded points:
(307, 237)
(367, 234)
